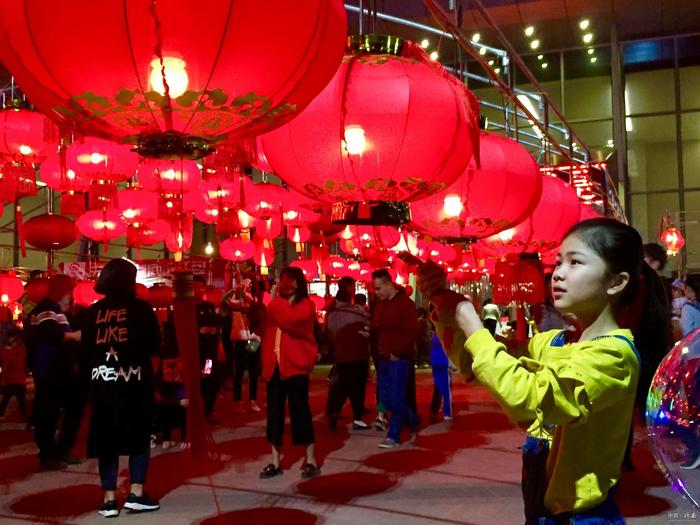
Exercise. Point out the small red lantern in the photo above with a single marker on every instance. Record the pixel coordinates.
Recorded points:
(441, 253)
(50, 232)
(16, 181)
(147, 234)
(25, 134)
(160, 295)
(103, 195)
(11, 288)
(483, 200)
(308, 266)
(265, 200)
(84, 293)
(268, 228)
(102, 225)
(179, 238)
(169, 176)
(389, 128)
(264, 254)
(673, 239)
(52, 175)
(137, 205)
(335, 266)
(36, 290)
(180, 75)
(235, 249)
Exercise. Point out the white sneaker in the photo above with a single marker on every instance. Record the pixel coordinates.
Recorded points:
(168, 444)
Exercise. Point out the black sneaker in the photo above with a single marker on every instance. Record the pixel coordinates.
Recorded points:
(109, 509)
(270, 471)
(141, 503)
(310, 471)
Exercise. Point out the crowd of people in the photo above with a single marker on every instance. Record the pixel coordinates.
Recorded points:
(604, 327)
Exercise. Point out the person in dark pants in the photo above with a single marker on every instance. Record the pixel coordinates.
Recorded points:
(395, 321)
(13, 358)
(47, 332)
(120, 335)
(348, 328)
(288, 357)
(208, 326)
(236, 332)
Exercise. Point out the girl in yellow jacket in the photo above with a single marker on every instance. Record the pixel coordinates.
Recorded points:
(574, 390)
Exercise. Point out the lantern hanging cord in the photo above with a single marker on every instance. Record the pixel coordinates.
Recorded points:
(158, 50)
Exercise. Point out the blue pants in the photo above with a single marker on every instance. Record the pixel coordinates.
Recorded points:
(442, 383)
(109, 468)
(392, 378)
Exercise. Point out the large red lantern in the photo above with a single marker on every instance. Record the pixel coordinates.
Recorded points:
(55, 179)
(265, 200)
(389, 128)
(50, 232)
(486, 200)
(557, 211)
(173, 77)
(673, 239)
(11, 288)
(160, 295)
(84, 293)
(25, 134)
(137, 205)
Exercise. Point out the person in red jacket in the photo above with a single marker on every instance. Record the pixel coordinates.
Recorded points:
(288, 357)
(395, 328)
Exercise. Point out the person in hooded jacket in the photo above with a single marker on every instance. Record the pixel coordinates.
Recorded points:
(120, 335)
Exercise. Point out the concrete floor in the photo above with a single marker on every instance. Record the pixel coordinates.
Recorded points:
(464, 471)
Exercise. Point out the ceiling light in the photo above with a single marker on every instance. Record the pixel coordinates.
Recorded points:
(594, 60)
(591, 51)
(611, 143)
(540, 57)
(584, 24)
(482, 51)
(476, 37)
(529, 30)
(425, 43)
(497, 70)
(534, 44)
(490, 62)
(544, 65)
(434, 55)
(588, 38)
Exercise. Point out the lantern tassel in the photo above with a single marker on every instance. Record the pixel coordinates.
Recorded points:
(20, 230)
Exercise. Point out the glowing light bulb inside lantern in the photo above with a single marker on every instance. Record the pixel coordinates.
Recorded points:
(214, 212)
(452, 205)
(180, 241)
(238, 253)
(263, 264)
(97, 158)
(355, 140)
(507, 235)
(296, 237)
(129, 213)
(243, 219)
(290, 215)
(169, 204)
(209, 249)
(70, 174)
(347, 233)
(4, 298)
(400, 280)
(170, 174)
(175, 76)
(25, 150)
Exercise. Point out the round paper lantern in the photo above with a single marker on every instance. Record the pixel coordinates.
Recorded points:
(265, 200)
(137, 205)
(102, 225)
(84, 293)
(169, 176)
(588, 212)
(390, 127)
(268, 228)
(335, 266)
(160, 295)
(25, 134)
(70, 181)
(557, 211)
(147, 234)
(298, 234)
(486, 200)
(103, 195)
(673, 239)
(96, 159)
(179, 238)
(440, 252)
(36, 290)
(308, 266)
(50, 232)
(11, 288)
(263, 254)
(72, 203)
(235, 249)
(172, 77)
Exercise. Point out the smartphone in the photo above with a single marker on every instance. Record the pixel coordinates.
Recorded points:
(207, 367)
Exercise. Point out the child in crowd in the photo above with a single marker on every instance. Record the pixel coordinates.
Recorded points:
(442, 380)
(575, 389)
(13, 358)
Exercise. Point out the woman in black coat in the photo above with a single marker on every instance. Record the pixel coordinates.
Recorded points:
(121, 334)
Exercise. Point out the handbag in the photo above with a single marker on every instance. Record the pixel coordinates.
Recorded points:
(252, 345)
